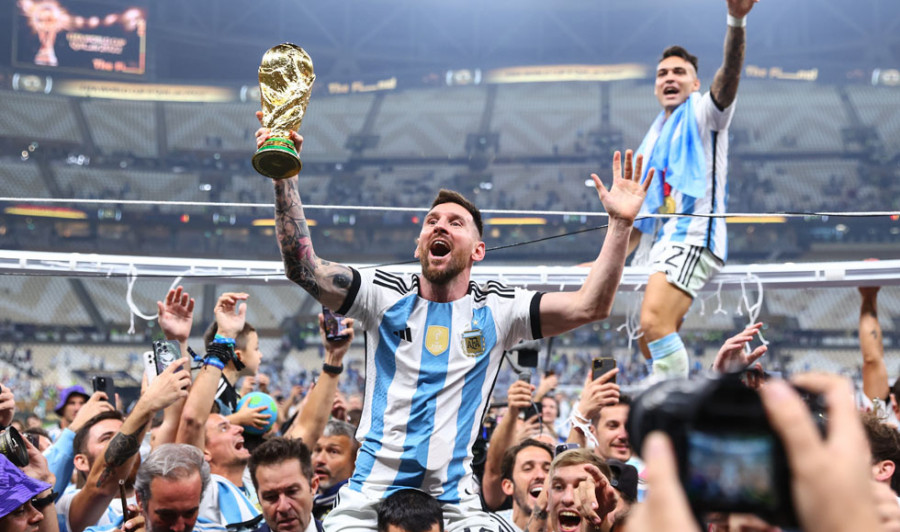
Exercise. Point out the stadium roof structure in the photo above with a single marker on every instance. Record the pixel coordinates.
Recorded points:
(224, 40)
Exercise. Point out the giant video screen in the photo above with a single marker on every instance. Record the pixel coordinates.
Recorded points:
(80, 36)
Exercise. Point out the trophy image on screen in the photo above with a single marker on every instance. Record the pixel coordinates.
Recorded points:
(46, 18)
(285, 80)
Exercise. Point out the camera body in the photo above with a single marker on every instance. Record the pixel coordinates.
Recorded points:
(729, 458)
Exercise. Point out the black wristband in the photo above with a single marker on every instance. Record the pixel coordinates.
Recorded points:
(40, 503)
(332, 370)
(225, 353)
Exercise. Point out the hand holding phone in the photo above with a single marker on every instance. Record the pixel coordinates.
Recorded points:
(105, 385)
(164, 353)
(600, 366)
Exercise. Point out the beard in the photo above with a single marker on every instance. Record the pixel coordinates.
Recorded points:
(523, 500)
(456, 266)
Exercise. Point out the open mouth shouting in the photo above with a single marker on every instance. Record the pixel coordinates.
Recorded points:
(535, 490)
(569, 520)
(439, 248)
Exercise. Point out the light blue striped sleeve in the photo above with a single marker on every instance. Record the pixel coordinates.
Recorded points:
(60, 460)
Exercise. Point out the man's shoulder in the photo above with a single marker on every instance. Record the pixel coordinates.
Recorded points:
(504, 520)
(483, 291)
(401, 283)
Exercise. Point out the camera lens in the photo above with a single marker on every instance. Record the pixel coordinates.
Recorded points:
(13, 447)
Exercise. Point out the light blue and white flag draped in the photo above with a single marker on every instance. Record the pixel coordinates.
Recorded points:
(679, 153)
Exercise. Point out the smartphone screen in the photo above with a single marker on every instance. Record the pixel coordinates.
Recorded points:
(334, 325)
(599, 366)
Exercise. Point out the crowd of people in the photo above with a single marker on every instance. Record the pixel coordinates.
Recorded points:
(204, 448)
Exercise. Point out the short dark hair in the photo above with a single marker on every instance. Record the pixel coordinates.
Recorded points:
(678, 51)
(509, 457)
(239, 343)
(80, 440)
(38, 431)
(410, 510)
(884, 441)
(280, 449)
(450, 196)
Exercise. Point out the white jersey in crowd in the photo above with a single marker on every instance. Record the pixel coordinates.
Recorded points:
(232, 507)
(711, 233)
(430, 370)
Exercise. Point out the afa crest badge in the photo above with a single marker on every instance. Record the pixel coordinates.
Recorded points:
(473, 343)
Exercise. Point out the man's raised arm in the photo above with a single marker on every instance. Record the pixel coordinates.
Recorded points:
(725, 83)
(328, 282)
(564, 311)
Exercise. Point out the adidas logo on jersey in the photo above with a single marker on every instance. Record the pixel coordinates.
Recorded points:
(405, 334)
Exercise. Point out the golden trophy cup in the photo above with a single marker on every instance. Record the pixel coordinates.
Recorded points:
(285, 81)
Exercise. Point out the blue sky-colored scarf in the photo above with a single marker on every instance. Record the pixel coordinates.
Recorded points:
(678, 151)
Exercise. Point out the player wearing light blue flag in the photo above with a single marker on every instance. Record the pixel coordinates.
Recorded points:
(435, 339)
(687, 145)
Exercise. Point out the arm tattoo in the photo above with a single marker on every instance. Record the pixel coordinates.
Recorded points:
(293, 237)
(725, 83)
(341, 280)
(120, 449)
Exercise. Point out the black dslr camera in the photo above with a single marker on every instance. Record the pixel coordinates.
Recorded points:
(729, 458)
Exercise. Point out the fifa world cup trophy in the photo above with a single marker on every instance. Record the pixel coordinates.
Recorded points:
(285, 81)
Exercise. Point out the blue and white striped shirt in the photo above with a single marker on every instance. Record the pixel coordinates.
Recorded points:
(430, 370)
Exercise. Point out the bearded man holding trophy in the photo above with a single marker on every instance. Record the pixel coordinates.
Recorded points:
(434, 340)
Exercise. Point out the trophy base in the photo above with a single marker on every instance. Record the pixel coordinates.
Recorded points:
(277, 159)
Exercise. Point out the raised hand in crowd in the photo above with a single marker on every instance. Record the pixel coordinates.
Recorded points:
(117, 461)
(310, 422)
(733, 356)
(176, 316)
(284, 408)
(597, 394)
(231, 315)
(339, 407)
(60, 455)
(875, 384)
(548, 383)
(507, 433)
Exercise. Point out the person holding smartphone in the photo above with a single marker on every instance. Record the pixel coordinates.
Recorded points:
(435, 339)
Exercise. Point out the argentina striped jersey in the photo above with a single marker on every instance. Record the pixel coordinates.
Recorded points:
(430, 370)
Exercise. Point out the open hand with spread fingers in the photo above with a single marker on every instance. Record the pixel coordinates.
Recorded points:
(624, 198)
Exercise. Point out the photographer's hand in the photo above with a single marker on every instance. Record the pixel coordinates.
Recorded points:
(666, 507)
(829, 478)
(37, 465)
(7, 406)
